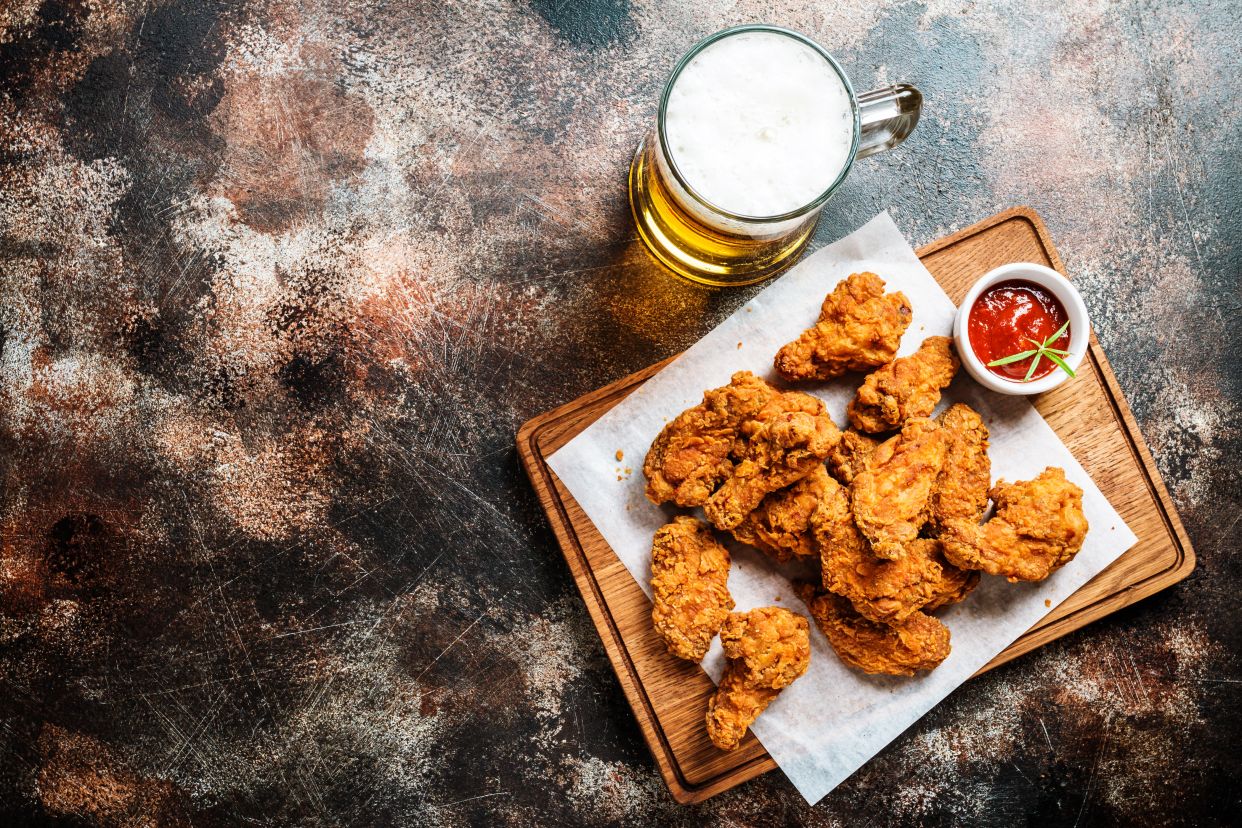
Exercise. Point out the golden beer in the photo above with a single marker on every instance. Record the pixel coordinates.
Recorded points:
(696, 251)
(773, 159)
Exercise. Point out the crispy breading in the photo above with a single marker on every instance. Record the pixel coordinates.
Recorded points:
(690, 457)
(780, 526)
(954, 584)
(961, 492)
(1038, 527)
(745, 440)
(885, 591)
(920, 642)
(890, 498)
(767, 649)
(859, 327)
(689, 580)
(781, 444)
(905, 388)
(851, 455)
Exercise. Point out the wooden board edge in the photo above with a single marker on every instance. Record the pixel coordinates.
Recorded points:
(527, 428)
(1018, 212)
(592, 596)
(1045, 632)
(1038, 637)
(680, 788)
(1129, 427)
(1129, 424)
(1138, 443)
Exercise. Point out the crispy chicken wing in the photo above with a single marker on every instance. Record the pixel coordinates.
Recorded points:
(767, 649)
(690, 457)
(781, 525)
(904, 388)
(920, 642)
(689, 579)
(1038, 527)
(851, 455)
(890, 498)
(781, 444)
(961, 492)
(883, 591)
(859, 327)
(744, 440)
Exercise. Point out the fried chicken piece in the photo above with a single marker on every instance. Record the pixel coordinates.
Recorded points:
(851, 455)
(905, 388)
(690, 457)
(890, 498)
(744, 440)
(689, 580)
(781, 525)
(920, 642)
(1039, 526)
(961, 492)
(767, 649)
(859, 327)
(779, 446)
(954, 584)
(883, 591)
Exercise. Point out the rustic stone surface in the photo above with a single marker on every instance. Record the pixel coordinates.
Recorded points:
(280, 280)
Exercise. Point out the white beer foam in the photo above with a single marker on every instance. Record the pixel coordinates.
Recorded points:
(759, 124)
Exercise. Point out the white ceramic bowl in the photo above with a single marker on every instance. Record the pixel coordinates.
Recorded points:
(1058, 286)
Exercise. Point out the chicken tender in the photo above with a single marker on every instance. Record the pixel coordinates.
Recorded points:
(890, 498)
(689, 579)
(961, 492)
(767, 649)
(859, 327)
(1039, 526)
(690, 457)
(905, 388)
(787, 439)
(781, 526)
(886, 592)
(920, 642)
(851, 455)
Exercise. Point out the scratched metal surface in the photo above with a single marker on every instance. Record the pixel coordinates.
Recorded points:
(279, 281)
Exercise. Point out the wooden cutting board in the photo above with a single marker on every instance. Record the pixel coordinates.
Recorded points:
(669, 696)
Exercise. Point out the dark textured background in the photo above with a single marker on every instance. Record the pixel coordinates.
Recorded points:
(279, 281)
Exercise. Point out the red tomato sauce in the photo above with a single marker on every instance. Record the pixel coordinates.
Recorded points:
(1004, 320)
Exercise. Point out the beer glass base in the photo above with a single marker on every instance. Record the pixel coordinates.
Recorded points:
(699, 253)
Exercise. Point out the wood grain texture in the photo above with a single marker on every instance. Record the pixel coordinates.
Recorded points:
(668, 696)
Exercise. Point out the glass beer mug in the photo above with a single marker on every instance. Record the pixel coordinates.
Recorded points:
(757, 128)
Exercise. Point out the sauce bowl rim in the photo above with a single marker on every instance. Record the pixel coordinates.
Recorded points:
(1055, 283)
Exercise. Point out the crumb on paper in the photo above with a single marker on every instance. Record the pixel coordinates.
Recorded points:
(739, 345)
(628, 471)
(1047, 602)
(619, 477)
(620, 454)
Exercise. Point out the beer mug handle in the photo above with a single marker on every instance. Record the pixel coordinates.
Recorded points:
(887, 115)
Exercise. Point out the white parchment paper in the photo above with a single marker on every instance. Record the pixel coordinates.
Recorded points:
(832, 720)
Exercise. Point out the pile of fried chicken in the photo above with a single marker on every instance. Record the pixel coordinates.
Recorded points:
(892, 508)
